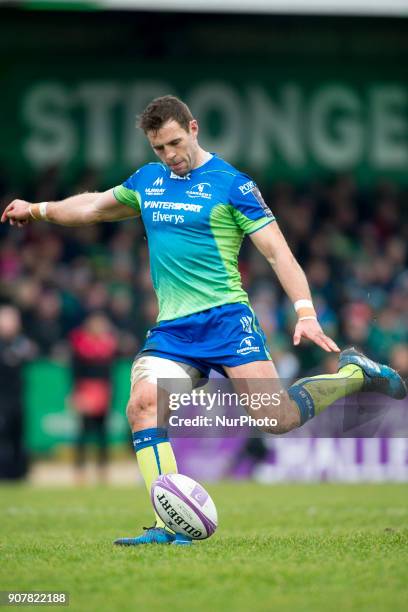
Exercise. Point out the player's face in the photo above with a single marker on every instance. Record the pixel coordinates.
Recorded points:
(176, 147)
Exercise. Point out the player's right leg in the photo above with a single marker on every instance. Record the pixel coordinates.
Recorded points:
(153, 449)
(309, 396)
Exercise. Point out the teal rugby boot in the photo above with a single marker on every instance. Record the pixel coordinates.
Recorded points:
(378, 377)
(151, 535)
(182, 540)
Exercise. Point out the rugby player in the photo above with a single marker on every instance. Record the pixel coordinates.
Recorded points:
(196, 208)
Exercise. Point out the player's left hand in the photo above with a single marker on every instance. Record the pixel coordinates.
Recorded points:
(310, 329)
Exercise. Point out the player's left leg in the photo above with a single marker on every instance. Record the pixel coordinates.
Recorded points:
(309, 396)
(153, 449)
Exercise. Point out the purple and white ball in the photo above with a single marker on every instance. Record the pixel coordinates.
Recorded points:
(184, 506)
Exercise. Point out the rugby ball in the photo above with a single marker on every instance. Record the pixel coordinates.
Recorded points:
(184, 506)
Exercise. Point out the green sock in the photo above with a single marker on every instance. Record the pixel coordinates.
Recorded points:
(312, 395)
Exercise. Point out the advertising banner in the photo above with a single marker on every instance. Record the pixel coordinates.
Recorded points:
(327, 101)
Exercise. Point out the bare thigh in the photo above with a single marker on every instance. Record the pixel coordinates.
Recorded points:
(148, 404)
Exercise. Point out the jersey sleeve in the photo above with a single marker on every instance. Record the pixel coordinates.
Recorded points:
(128, 193)
(250, 211)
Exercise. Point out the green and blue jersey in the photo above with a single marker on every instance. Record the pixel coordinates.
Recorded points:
(194, 226)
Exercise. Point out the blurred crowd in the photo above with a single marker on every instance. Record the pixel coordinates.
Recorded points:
(352, 244)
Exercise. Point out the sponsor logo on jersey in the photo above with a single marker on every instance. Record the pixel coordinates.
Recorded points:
(186, 206)
(200, 190)
(247, 187)
(246, 323)
(247, 346)
(156, 189)
(261, 201)
(159, 217)
(186, 177)
(251, 187)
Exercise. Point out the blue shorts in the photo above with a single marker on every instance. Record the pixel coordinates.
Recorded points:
(227, 335)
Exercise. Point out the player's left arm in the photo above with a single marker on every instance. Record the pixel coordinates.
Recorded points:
(270, 241)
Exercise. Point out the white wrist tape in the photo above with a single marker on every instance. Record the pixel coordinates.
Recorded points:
(42, 208)
(307, 318)
(303, 304)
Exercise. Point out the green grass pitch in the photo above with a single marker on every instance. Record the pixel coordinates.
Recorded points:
(287, 547)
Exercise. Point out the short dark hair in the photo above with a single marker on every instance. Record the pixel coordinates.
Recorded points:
(164, 109)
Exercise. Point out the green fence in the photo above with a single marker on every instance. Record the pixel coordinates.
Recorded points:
(49, 418)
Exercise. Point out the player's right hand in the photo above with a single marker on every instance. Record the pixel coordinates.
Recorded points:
(17, 213)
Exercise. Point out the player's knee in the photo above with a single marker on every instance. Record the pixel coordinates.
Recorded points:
(141, 410)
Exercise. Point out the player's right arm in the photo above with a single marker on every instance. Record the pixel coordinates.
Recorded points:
(82, 209)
